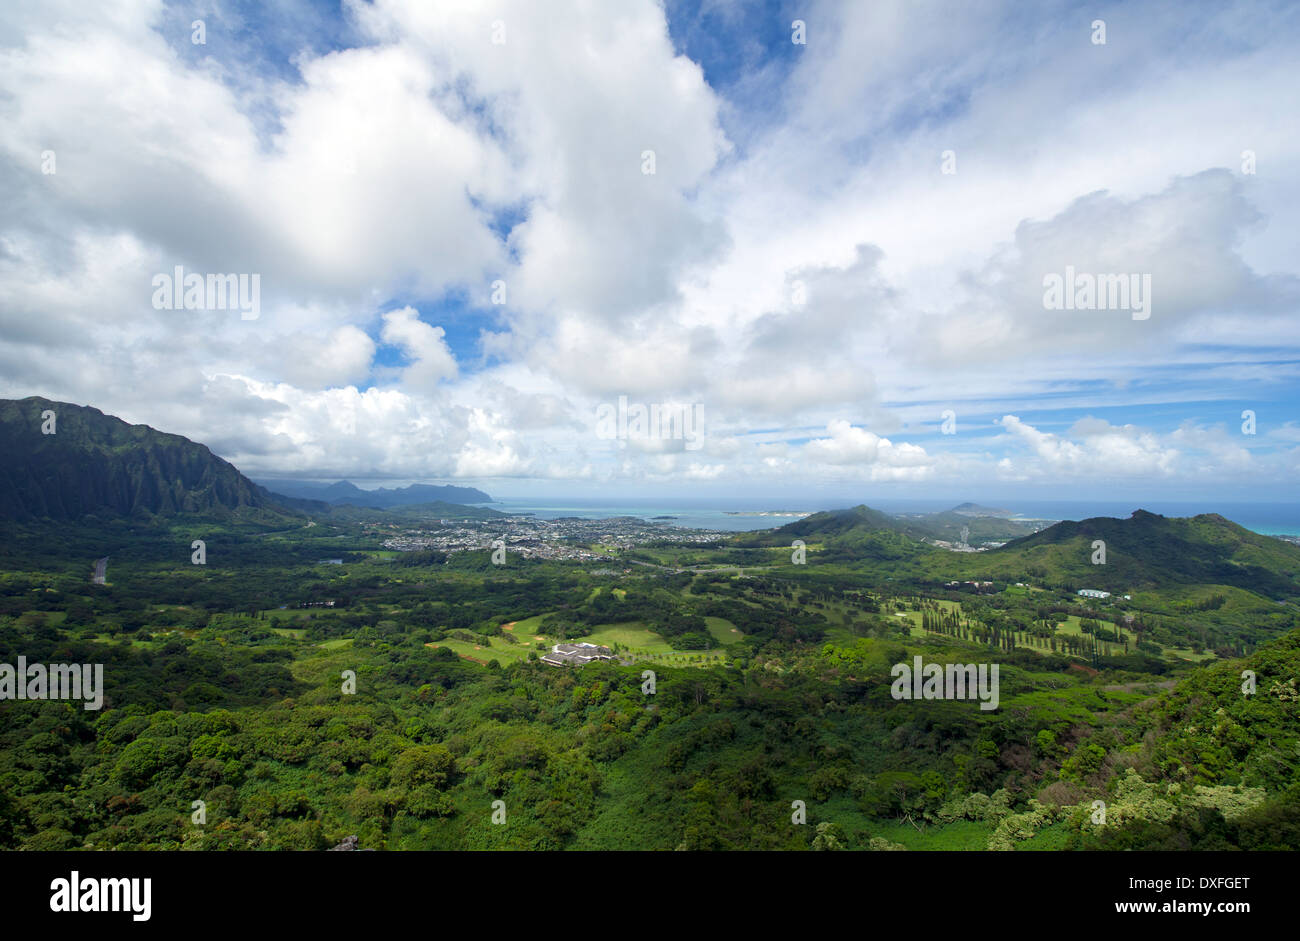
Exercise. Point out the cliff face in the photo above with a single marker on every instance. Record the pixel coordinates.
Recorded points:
(97, 464)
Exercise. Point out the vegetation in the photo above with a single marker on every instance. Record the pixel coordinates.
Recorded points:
(397, 696)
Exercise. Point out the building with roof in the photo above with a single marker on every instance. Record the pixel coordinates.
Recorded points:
(576, 654)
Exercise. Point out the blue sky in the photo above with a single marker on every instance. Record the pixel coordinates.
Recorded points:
(464, 255)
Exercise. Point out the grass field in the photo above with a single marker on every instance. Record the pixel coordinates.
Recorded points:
(643, 644)
(1185, 653)
(527, 628)
(498, 650)
(636, 642)
(288, 614)
(723, 631)
(631, 634)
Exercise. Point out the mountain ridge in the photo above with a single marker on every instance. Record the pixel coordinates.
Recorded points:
(93, 463)
(346, 493)
(1142, 550)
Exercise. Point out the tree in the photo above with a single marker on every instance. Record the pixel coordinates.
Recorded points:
(829, 837)
(423, 764)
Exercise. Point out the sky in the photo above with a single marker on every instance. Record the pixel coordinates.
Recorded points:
(818, 236)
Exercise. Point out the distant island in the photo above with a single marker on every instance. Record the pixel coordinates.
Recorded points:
(974, 509)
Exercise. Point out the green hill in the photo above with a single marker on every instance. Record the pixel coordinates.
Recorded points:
(866, 528)
(1148, 551)
(979, 527)
(858, 534)
(844, 527)
(833, 524)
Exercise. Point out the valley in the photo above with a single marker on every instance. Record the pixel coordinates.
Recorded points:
(340, 670)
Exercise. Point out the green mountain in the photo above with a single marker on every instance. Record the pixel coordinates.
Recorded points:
(832, 524)
(1144, 552)
(97, 465)
(1148, 551)
(851, 525)
(855, 534)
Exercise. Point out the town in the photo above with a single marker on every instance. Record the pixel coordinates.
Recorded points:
(533, 538)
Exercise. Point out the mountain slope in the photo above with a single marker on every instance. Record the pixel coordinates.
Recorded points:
(848, 524)
(980, 527)
(831, 524)
(856, 534)
(97, 464)
(1148, 550)
(1145, 551)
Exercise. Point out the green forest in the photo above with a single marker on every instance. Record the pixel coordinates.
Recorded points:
(265, 700)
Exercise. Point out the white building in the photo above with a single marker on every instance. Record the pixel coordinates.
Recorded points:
(576, 654)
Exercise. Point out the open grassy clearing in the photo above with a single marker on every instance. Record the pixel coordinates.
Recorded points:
(499, 650)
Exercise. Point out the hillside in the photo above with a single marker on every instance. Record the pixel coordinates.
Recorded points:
(1149, 551)
(980, 525)
(1144, 552)
(856, 534)
(852, 526)
(96, 464)
(836, 523)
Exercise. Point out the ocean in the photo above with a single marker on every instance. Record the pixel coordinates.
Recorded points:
(745, 514)
(702, 516)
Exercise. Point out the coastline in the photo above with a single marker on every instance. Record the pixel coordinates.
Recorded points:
(1264, 519)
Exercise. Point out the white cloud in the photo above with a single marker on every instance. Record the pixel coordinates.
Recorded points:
(849, 445)
(1101, 450)
(424, 345)
(825, 268)
(310, 361)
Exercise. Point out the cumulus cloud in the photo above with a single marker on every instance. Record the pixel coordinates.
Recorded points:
(430, 358)
(849, 445)
(1182, 242)
(810, 261)
(311, 361)
(1094, 448)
